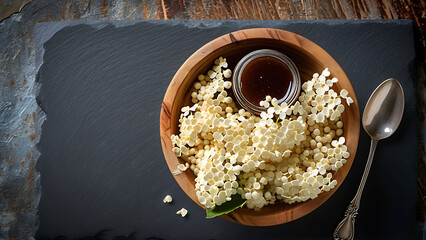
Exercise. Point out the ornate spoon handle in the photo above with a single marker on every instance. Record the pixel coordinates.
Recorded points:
(346, 228)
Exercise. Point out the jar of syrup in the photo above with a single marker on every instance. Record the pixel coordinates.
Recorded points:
(262, 73)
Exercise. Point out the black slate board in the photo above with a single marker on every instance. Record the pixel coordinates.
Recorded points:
(101, 161)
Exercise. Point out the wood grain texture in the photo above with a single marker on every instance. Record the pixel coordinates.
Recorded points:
(299, 9)
(308, 57)
(237, 10)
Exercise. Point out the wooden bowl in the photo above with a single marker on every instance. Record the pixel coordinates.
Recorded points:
(308, 57)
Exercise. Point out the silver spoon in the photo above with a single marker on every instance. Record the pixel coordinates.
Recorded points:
(381, 118)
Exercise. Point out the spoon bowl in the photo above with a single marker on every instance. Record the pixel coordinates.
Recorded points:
(384, 110)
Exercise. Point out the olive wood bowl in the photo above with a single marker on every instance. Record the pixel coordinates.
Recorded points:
(308, 57)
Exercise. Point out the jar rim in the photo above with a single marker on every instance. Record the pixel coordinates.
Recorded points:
(290, 97)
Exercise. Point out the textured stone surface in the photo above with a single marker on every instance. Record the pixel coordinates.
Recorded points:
(102, 166)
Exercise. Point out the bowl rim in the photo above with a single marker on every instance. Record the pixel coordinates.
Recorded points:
(243, 215)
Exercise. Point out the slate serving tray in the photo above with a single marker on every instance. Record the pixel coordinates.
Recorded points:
(101, 163)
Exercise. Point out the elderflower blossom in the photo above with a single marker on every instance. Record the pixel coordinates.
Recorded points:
(288, 153)
(182, 212)
(167, 199)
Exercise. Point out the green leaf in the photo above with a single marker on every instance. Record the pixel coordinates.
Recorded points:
(236, 202)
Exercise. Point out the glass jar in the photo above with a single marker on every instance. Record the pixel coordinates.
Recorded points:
(265, 72)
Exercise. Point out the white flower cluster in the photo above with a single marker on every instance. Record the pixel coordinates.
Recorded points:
(167, 199)
(182, 212)
(288, 153)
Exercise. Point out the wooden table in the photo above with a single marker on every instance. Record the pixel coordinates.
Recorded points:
(17, 210)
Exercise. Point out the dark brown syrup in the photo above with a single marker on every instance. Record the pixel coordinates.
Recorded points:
(265, 76)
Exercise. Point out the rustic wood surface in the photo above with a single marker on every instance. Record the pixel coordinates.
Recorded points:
(19, 17)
